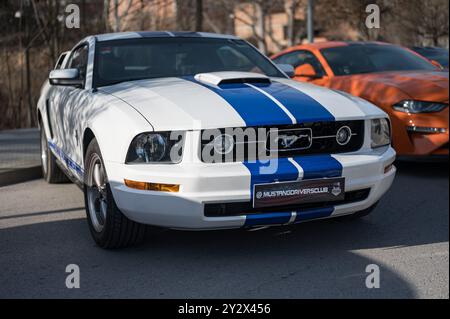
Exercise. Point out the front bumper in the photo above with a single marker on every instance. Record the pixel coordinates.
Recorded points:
(230, 182)
(415, 144)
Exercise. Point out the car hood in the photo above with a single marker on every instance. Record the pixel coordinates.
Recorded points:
(418, 85)
(219, 100)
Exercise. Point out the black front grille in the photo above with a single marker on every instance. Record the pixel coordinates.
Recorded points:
(322, 141)
(246, 208)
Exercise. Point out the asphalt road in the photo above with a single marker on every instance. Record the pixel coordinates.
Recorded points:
(43, 229)
(19, 149)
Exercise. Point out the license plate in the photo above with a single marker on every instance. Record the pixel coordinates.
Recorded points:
(301, 192)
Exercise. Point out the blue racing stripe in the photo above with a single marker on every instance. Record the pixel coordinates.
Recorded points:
(66, 159)
(303, 107)
(314, 166)
(261, 173)
(319, 166)
(313, 214)
(267, 219)
(253, 106)
(279, 218)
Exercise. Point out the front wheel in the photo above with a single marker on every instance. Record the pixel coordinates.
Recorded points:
(108, 226)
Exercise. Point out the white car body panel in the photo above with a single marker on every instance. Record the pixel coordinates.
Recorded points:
(116, 114)
(178, 100)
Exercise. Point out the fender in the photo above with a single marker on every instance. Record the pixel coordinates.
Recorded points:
(114, 142)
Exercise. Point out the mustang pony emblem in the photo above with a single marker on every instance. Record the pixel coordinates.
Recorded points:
(289, 140)
(336, 191)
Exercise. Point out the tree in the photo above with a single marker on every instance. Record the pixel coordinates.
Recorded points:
(198, 15)
(256, 15)
(291, 7)
(427, 20)
(119, 16)
(219, 15)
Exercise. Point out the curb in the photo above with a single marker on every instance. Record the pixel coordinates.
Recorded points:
(20, 175)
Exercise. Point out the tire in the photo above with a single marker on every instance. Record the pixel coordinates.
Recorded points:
(50, 170)
(359, 214)
(108, 226)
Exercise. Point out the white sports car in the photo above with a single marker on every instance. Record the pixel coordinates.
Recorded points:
(200, 131)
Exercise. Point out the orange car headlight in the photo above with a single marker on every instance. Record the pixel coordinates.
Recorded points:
(426, 129)
(414, 107)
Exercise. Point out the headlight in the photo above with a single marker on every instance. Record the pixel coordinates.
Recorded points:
(411, 106)
(381, 132)
(162, 147)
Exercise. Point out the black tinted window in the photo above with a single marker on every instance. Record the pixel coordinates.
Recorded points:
(437, 54)
(355, 59)
(127, 60)
(298, 58)
(60, 61)
(79, 59)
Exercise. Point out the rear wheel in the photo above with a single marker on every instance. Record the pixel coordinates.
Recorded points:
(50, 170)
(108, 226)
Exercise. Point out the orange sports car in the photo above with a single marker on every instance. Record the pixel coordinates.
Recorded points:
(413, 91)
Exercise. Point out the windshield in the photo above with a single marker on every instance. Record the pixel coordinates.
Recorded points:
(439, 55)
(357, 59)
(128, 60)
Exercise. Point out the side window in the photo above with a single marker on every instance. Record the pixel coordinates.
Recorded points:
(60, 61)
(298, 58)
(289, 58)
(78, 60)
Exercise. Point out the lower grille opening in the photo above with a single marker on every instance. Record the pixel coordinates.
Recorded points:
(246, 208)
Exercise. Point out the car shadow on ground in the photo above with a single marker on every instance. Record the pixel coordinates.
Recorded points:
(320, 259)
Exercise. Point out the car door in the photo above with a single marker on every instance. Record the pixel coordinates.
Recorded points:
(300, 58)
(52, 102)
(72, 99)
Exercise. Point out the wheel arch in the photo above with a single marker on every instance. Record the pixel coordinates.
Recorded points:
(88, 136)
(39, 118)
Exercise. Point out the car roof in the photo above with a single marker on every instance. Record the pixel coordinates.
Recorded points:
(328, 44)
(332, 44)
(160, 34)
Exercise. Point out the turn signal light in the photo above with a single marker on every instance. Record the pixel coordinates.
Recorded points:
(429, 130)
(158, 187)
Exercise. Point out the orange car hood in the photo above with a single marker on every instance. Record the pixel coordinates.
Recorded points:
(418, 85)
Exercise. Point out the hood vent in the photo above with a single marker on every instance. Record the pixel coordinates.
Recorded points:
(218, 78)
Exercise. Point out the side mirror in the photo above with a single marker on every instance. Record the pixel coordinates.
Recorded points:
(287, 69)
(66, 77)
(437, 64)
(306, 70)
